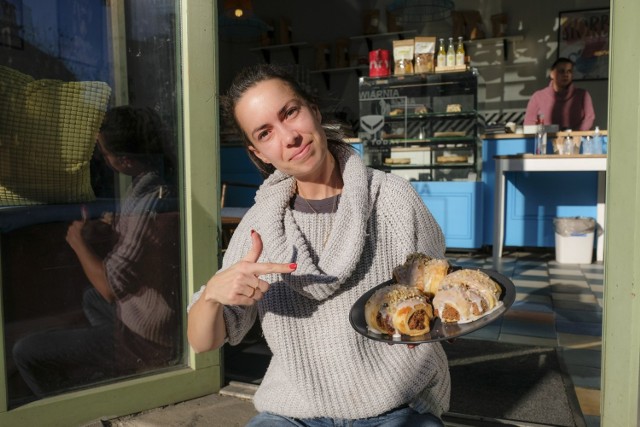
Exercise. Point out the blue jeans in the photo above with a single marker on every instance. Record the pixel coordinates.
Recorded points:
(401, 417)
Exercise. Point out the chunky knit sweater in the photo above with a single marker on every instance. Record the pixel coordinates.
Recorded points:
(320, 366)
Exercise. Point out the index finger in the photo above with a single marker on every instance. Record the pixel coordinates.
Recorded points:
(271, 267)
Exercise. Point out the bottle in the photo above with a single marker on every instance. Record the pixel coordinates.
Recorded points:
(587, 145)
(460, 52)
(597, 141)
(451, 54)
(541, 136)
(568, 143)
(441, 60)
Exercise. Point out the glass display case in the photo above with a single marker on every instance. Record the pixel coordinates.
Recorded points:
(423, 127)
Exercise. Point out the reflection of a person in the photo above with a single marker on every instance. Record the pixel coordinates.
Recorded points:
(132, 305)
(561, 103)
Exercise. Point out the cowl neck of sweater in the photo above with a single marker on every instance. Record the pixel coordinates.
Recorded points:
(286, 243)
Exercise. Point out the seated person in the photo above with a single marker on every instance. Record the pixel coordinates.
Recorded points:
(561, 102)
(133, 302)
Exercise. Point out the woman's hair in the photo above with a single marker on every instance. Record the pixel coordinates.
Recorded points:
(130, 131)
(253, 75)
(138, 133)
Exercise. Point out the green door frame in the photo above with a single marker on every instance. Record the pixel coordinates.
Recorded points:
(198, 51)
(621, 329)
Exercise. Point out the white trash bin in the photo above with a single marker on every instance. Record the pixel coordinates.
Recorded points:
(574, 240)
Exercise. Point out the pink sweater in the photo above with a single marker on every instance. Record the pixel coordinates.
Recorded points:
(570, 109)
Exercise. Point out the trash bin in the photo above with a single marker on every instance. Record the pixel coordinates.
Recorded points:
(574, 239)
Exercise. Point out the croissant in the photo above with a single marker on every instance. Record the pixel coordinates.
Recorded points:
(465, 295)
(422, 271)
(399, 309)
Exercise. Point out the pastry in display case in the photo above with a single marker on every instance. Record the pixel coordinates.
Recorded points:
(423, 127)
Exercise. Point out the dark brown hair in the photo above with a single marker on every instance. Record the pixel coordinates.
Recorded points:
(139, 133)
(253, 75)
(561, 60)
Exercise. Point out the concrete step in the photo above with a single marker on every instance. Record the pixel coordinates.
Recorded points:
(239, 389)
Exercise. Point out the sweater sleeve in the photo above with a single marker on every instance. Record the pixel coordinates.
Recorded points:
(238, 319)
(533, 108)
(589, 114)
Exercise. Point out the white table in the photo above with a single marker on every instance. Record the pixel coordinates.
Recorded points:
(545, 163)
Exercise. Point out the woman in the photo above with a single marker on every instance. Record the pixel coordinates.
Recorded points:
(324, 229)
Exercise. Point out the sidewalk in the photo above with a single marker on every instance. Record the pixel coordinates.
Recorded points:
(232, 407)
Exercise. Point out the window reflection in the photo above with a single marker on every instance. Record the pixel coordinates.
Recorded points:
(89, 217)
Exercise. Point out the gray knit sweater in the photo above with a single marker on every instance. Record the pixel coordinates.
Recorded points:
(320, 366)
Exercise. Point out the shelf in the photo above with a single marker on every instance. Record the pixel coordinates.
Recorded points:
(434, 140)
(370, 37)
(428, 167)
(293, 47)
(462, 114)
(326, 73)
(421, 149)
(358, 69)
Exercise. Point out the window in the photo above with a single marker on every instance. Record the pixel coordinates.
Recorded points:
(90, 194)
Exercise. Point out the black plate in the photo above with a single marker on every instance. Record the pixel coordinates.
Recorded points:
(439, 330)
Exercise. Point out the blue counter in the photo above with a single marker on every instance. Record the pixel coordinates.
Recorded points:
(457, 207)
(533, 199)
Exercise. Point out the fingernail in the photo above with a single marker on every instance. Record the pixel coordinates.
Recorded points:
(293, 266)
(253, 231)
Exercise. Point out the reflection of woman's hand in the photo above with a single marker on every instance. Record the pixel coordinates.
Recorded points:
(240, 284)
(74, 235)
(107, 218)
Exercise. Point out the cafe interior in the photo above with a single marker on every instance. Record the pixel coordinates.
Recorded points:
(531, 201)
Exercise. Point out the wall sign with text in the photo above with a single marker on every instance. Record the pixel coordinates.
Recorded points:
(583, 37)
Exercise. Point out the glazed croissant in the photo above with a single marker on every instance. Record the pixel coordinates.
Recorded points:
(466, 295)
(422, 271)
(399, 309)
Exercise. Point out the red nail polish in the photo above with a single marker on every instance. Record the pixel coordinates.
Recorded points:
(293, 266)
(253, 231)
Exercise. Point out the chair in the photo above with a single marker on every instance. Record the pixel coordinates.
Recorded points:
(231, 216)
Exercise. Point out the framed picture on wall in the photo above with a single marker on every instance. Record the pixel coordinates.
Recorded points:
(583, 37)
(11, 23)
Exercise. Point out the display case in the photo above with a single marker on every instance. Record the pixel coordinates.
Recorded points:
(423, 127)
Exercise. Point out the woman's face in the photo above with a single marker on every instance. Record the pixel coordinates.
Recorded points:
(284, 131)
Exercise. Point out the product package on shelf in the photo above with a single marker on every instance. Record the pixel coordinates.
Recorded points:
(403, 56)
(424, 51)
